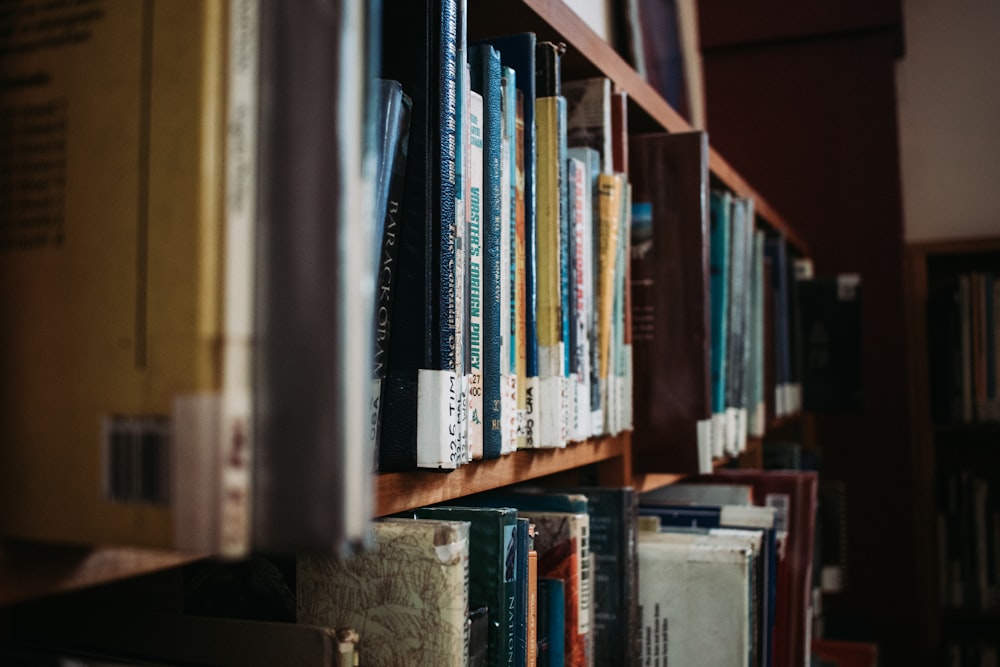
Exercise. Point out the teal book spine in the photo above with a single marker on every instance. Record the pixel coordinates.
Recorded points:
(486, 80)
(719, 286)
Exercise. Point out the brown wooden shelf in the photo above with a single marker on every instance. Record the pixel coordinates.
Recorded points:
(30, 570)
(398, 492)
(589, 55)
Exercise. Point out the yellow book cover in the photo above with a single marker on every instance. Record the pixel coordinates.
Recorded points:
(115, 263)
(609, 188)
(547, 238)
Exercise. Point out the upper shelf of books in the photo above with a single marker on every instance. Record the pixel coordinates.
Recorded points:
(589, 55)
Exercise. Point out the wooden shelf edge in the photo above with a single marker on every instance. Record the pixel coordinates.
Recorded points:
(399, 492)
(30, 570)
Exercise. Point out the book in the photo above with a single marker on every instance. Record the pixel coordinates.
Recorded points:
(392, 126)
(592, 169)
(561, 540)
(492, 578)
(610, 193)
(580, 274)
(477, 273)
(551, 622)
(518, 51)
(510, 302)
(479, 637)
(830, 312)
(486, 80)
(519, 294)
(756, 410)
(588, 117)
(693, 590)
(550, 117)
(313, 348)
(157, 228)
(615, 590)
(764, 565)
(741, 227)
(421, 412)
(794, 494)
(408, 597)
(775, 249)
(720, 209)
(531, 620)
(670, 297)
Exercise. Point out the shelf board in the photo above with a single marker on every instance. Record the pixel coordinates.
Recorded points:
(29, 570)
(398, 492)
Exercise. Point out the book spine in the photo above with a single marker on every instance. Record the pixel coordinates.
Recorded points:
(718, 283)
(463, 187)
(550, 348)
(476, 270)
(492, 238)
(580, 280)
(508, 243)
(609, 193)
(394, 118)
(520, 272)
(236, 406)
(438, 437)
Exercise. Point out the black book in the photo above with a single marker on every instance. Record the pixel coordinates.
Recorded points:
(392, 126)
(419, 50)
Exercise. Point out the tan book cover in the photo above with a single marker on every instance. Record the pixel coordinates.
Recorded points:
(113, 260)
(407, 598)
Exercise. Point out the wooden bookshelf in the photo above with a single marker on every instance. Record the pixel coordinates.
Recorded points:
(29, 571)
(398, 492)
(937, 447)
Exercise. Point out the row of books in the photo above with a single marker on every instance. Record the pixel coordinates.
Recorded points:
(964, 326)
(501, 318)
(969, 652)
(714, 572)
(968, 540)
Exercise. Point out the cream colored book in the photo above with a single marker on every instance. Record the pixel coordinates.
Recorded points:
(407, 598)
(126, 271)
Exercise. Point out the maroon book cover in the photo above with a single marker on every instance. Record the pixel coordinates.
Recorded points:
(669, 299)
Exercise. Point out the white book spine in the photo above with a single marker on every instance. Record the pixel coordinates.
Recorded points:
(476, 275)
(550, 427)
(705, 448)
(438, 440)
(530, 423)
(235, 434)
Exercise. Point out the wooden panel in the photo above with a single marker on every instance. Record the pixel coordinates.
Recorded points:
(732, 22)
(398, 492)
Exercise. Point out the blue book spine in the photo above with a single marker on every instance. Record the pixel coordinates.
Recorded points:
(719, 286)
(565, 241)
(486, 72)
(521, 606)
(509, 83)
(518, 52)
(555, 611)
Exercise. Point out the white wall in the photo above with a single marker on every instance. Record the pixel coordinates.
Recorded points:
(597, 14)
(948, 86)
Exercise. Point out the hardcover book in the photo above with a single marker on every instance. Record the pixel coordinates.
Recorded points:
(720, 210)
(486, 80)
(693, 598)
(421, 412)
(550, 116)
(313, 341)
(408, 597)
(588, 117)
(392, 126)
(492, 578)
(518, 51)
(127, 266)
(477, 273)
(670, 297)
